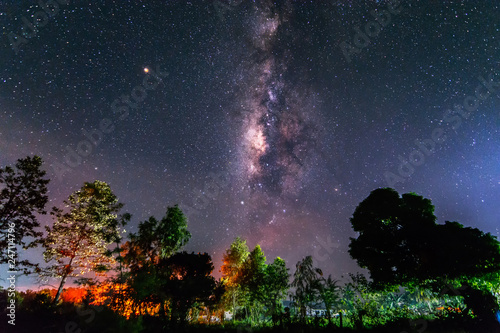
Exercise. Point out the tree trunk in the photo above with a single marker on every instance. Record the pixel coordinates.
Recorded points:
(67, 270)
(60, 289)
(234, 306)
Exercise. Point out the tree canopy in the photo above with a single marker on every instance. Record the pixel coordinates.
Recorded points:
(232, 271)
(23, 194)
(399, 242)
(446, 266)
(147, 258)
(77, 241)
(305, 282)
(157, 239)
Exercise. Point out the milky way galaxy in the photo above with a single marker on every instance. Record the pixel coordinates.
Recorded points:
(280, 131)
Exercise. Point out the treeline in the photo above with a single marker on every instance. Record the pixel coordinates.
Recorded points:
(419, 270)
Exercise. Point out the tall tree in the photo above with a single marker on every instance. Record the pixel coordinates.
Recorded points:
(155, 241)
(275, 287)
(22, 195)
(78, 240)
(399, 242)
(252, 280)
(232, 269)
(305, 280)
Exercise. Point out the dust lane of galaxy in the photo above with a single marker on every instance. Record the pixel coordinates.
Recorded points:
(279, 132)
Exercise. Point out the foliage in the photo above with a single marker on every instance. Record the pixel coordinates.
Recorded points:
(450, 273)
(77, 242)
(360, 299)
(143, 258)
(157, 239)
(275, 286)
(252, 280)
(329, 294)
(187, 283)
(22, 195)
(253, 287)
(214, 304)
(399, 242)
(232, 272)
(233, 260)
(118, 295)
(305, 281)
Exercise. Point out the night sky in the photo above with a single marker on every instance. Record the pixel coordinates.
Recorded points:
(269, 120)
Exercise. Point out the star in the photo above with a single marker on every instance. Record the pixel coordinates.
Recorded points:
(293, 132)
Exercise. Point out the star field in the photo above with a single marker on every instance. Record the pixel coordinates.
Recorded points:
(253, 117)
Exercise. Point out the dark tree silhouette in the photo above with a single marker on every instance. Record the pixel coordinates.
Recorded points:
(187, 283)
(214, 304)
(22, 195)
(156, 241)
(305, 281)
(399, 242)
